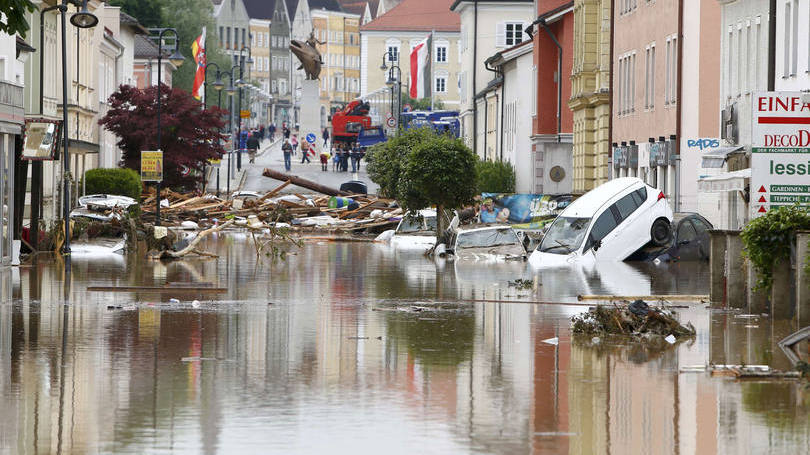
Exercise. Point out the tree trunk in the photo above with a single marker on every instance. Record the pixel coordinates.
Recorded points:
(441, 225)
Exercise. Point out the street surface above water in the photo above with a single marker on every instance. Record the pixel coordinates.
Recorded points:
(356, 348)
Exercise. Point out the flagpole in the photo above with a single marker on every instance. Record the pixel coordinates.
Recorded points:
(431, 80)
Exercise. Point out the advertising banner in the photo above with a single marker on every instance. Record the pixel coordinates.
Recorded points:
(529, 211)
(152, 166)
(780, 151)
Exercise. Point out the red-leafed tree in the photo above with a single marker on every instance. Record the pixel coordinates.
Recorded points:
(190, 135)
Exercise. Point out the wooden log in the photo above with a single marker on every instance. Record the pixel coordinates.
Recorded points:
(274, 191)
(654, 298)
(304, 183)
(192, 246)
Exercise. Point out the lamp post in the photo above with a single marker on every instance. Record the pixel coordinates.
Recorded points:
(80, 19)
(391, 82)
(218, 86)
(177, 59)
(229, 91)
(241, 83)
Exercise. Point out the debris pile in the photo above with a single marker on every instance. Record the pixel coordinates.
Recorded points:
(351, 213)
(637, 320)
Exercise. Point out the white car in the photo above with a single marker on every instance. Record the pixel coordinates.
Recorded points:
(608, 223)
(487, 243)
(416, 234)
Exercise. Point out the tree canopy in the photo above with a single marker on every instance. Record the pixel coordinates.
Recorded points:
(190, 135)
(15, 11)
(421, 104)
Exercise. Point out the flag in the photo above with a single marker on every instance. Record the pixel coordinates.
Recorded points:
(420, 60)
(198, 50)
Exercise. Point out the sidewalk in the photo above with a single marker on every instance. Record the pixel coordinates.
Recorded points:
(238, 176)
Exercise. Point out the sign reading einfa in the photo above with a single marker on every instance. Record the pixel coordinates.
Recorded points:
(780, 151)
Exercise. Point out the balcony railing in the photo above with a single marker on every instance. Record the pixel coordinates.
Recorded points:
(11, 94)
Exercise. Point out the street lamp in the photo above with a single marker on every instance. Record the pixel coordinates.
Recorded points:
(80, 19)
(176, 59)
(218, 86)
(241, 83)
(391, 82)
(230, 90)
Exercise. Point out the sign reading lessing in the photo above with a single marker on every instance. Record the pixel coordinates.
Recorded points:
(780, 152)
(152, 166)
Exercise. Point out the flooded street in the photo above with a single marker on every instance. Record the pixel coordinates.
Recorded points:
(356, 348)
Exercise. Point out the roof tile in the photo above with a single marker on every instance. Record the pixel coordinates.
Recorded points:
(417, 15)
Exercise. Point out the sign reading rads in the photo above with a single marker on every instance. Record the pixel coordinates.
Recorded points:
(780, 151)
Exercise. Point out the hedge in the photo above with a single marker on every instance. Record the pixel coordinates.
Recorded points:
(118, 181)
(495, 177)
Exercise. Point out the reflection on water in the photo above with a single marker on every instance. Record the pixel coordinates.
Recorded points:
(349, 346)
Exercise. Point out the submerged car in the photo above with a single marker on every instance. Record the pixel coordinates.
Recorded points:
(689, 242)
(416, 232)
(608, 223)
(486, 243)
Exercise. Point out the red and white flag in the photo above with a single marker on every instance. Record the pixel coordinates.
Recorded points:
(420, 62)
(198, 50)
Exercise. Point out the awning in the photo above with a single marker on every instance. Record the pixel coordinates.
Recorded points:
(716, 157)
(727, 181)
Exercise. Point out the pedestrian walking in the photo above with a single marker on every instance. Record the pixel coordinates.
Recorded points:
(305, 152)
(253, 146)
(286, 133)
(344, 165)
(294, 143)
(335, 158)
(287, 149)
(325, 136)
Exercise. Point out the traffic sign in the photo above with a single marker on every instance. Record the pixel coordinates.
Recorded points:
(152, 166)
(780, 151)
(391, 122)
(311, 138)
(244, 114)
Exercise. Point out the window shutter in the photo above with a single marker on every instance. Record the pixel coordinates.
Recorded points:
(500, 34)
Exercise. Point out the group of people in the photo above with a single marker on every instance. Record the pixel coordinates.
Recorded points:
(340, 155)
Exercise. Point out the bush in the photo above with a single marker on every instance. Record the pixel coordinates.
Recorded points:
(495, 177)
(121, 182)
(768, 239)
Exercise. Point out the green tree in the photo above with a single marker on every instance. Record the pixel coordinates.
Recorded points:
(15, 11)
(148, 12)
(421, 104)
(495, 177)
(385, 160)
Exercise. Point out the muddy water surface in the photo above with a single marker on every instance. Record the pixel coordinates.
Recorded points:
(354, 348)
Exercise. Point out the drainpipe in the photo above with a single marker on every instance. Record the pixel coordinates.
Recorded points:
(610, 83)
(548, 31)
(679, 102)
(501, 99)
(474, 87)
(772, 45)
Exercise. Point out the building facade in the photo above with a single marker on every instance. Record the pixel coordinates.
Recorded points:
(340, 73)
(391, 37)
(646, 58)
(487, 27)
(551, 117)
(792, 45)
(12, 115)
(281, 61)
(590, 93)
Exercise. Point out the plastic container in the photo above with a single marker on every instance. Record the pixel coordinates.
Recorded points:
(337, 202)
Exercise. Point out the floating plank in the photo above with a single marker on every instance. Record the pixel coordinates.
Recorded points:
(669, 298)
(173, 288)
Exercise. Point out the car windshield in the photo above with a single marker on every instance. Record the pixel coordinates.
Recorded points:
(565, 235)
(409, 224)
(486, 238)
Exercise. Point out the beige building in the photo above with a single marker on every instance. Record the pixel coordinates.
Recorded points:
(260, 70)
(590, 93)
(397, 32)
(340, 74)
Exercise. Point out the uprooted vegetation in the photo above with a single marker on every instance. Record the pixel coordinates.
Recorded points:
(637, 320)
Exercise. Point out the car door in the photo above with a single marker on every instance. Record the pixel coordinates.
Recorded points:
(597, 242)
(702, 241)
(686, 247)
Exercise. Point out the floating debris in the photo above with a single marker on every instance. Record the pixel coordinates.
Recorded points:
(522, 284)
(637, 320)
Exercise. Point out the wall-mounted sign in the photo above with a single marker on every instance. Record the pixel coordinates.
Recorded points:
(244, 114)
(41, 139)
(780, 151)
(152, 166)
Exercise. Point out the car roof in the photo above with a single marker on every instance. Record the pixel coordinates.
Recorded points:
(586, 205)
(483, 228)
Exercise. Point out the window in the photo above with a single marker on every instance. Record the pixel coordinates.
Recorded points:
(673, 96)
(273, 86)
(509, 34)
(649, 85)
(228, 41)
(729, 72)
(267, 63)
(626, 206)
(795, 42)
(252, 41)
(393, 53)
(243, 37)
(669, 71)
(221, 37)
(441, 54)
(686, 232)
(441, 84)
(601, 228)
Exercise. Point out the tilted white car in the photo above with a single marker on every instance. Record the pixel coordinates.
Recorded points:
(608, 223)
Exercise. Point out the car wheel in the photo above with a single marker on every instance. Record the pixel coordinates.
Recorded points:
(661, 232)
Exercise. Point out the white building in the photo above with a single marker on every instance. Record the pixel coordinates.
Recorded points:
(744, 69)
(792, 45)
(487, 27)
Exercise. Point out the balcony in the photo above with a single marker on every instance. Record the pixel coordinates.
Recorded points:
(11, 102)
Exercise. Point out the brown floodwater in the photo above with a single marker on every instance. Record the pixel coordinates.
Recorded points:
(356, 348)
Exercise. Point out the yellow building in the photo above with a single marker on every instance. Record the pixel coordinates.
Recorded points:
(340, 73)
(590, 93)
(260, 70)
